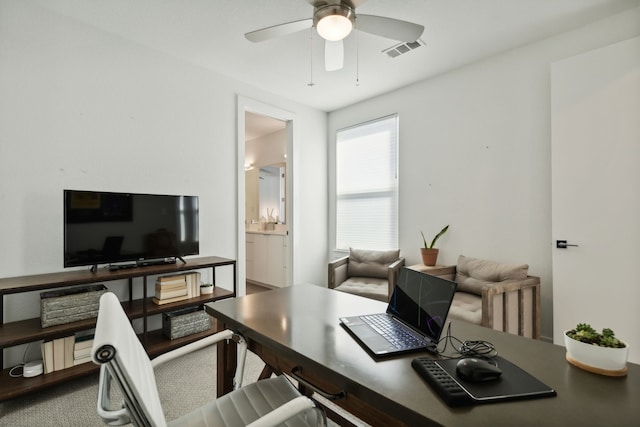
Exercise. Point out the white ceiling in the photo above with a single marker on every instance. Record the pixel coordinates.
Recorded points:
(210, 33)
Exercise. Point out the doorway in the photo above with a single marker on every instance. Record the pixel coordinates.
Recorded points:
(265, 204)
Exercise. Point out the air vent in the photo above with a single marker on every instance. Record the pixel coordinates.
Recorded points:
(402, 48)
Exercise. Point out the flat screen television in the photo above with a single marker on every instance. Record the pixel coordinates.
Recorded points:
(127, 228)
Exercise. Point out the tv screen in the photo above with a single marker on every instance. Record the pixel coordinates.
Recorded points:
(107, 228)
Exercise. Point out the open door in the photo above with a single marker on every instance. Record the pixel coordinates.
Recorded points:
(283, 276)
(596, 192)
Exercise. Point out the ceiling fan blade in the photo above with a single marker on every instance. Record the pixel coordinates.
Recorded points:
(333, 55)
(389, 28)
(278, 30)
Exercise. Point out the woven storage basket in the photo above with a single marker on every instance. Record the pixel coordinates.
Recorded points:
(70, 305)
(180, 323)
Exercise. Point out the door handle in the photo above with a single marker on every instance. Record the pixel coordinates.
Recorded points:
(562, 244)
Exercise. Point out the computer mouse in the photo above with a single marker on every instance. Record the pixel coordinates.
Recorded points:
(474, 369)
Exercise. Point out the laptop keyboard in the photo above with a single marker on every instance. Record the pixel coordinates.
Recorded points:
(392, 331)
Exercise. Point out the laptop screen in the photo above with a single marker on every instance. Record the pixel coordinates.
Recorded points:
(422, 301)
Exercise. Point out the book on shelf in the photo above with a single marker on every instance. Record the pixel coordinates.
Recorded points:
(171, 287)
(69, 344)
(57, 354)
(82, 353)
(166, 280)
(168, 300)
(77, 362)
(82, 348)
(162, 294)
(193, 282)
(83, 341)
(47, 356)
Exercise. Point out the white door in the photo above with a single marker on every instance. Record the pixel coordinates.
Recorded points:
(596, 191)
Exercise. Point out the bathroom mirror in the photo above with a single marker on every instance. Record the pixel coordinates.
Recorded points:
(271, 186)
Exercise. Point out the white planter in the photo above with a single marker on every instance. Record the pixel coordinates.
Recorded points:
(609, 359)
(206, 290)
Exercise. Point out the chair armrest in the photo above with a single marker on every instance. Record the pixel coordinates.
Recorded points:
(206, 342)
(394, 272)
(513, 306)
(338, 271)
(281, 414)
(190, 348)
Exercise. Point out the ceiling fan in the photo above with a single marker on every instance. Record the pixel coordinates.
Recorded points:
(334, 20)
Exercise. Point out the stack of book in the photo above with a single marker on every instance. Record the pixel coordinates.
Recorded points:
(177, 288)
(62, 353)
(82, 349)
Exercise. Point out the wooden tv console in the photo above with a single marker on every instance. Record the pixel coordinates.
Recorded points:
(30, 330)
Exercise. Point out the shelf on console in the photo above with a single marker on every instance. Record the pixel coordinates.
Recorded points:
(29, 330)
(157, 344)
(14, 387)
(134, 309)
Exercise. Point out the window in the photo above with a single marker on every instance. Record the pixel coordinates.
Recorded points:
(367, 185)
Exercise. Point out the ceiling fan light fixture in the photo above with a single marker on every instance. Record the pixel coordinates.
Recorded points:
(334, 22)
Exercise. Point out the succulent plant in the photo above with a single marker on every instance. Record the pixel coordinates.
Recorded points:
(583, 332)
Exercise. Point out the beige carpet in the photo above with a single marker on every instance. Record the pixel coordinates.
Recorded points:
(184, 385)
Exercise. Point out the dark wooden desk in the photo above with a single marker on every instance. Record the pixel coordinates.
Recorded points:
(298, 326)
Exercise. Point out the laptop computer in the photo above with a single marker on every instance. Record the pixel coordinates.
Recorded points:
(414, 318)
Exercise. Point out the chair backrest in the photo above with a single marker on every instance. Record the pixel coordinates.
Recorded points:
(369, 263)
(117, 346)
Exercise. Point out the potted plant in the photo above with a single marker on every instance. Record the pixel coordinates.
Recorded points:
(600, 353)
(428, 252)
(206, 288)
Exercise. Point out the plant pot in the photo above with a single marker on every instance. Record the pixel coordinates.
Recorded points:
(593, 358)
(429, 256)
(206, 290)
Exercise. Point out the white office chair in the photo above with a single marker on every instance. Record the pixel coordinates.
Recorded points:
(123, 360)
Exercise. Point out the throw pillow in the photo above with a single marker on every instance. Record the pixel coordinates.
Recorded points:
(368, 263)
(473, 273)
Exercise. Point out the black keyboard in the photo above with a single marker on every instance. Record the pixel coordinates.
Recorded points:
(448, 389)
(393, 332)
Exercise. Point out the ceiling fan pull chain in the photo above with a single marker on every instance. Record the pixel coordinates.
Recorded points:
(311, 83)
(357, 55)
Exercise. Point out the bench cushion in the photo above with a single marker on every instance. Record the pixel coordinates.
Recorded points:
(467, 307)
(369, 287)
(472, 273)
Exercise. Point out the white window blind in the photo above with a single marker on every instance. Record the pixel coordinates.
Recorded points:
(367, 185)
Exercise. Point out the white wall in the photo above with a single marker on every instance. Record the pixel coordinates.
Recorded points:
(475, 153)
(83, 109)
(268, 149)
